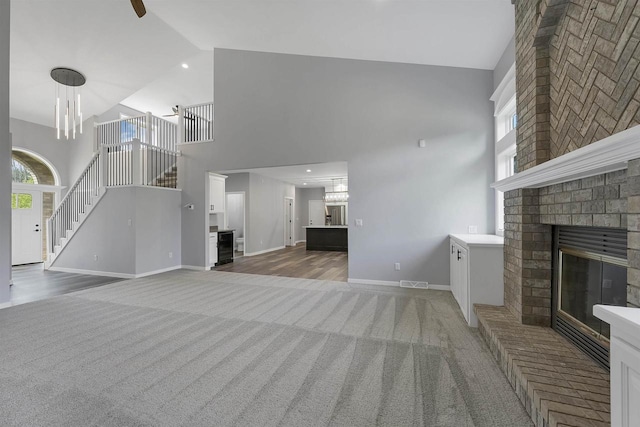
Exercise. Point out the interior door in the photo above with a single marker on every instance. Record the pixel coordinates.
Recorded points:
(316, 212)
(26, 227)
(288, 222)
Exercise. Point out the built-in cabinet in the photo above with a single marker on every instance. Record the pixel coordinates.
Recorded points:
(624, 363)
(216, 193)
(476, 268)
(213, 249)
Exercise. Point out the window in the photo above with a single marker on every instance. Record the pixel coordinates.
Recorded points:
(21, 201)
(506, 160)
(22, 173)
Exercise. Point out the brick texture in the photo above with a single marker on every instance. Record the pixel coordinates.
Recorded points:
(633, 234)
(556, 383)
(578, 81)
(594, 74)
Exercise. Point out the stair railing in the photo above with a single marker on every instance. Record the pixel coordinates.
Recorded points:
(74, 203)
(195, 123)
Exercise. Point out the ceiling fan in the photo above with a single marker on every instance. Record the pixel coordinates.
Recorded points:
(175, 114)
(138, 6)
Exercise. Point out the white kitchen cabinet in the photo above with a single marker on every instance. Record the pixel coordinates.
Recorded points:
(476, 271)
(213, 249)
(624, 360)
(216, 193)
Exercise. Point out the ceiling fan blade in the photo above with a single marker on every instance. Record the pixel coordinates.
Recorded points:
(138, 6)
(169, 115)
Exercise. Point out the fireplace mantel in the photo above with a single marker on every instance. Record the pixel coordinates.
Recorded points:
(607, 155)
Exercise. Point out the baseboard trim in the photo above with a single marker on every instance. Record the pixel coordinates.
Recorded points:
(6, 305)
(439, 287)
(396, 284)
(299, 241)
(114, 274)
(373, 282)
(93, 272)
(162, 270)
(264, 251)
(195, 267)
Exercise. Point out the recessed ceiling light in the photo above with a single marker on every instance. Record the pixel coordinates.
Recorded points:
(185, 66)
(304, 183)
(308, 170)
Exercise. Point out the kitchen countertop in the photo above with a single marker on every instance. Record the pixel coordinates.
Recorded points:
(326, 226)
(216, 230)
(479, 239)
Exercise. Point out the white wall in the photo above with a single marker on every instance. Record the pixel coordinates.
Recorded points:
(266, 215)
(303, 195)
(5, 154)
(277, 110)
(124, 249)
(234, 210)
(505, 62)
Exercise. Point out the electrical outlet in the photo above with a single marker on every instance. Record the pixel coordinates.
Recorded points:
(129, 222)
(95, 257)
(170, 254)
(358, 222)
(473, 229)
(397, 266)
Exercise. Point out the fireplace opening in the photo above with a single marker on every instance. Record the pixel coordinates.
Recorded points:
(590, 268)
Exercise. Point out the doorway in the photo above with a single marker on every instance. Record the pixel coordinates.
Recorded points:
(235, 217)
(26, 227)
(317, 214)
(288, 222)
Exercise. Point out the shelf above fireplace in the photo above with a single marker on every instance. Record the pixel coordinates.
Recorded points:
(607, 155)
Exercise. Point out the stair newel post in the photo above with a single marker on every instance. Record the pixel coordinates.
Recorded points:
(104, 166)
(136, 159)
(181, 134)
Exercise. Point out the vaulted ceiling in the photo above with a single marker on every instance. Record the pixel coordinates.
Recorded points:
(137, 62)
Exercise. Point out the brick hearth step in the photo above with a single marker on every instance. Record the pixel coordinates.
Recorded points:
(557, 384)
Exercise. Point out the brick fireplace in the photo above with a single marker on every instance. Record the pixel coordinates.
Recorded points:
(577, 80)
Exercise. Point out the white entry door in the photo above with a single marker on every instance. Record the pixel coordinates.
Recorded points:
(26, 227)
(316, 212)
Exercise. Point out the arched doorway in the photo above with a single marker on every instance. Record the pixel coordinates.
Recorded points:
(35, 189)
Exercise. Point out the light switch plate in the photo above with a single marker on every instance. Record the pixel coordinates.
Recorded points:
(359, 222)
(473, 229)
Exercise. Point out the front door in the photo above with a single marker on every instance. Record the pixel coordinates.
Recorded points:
(26, 227)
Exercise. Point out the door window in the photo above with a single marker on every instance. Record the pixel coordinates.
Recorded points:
(21, 201)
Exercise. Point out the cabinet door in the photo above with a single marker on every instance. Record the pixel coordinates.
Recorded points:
(453, 270)
(213, 249)
(463, 281)
(216, 194)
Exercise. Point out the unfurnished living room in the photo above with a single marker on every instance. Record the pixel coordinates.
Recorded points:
(320, 213)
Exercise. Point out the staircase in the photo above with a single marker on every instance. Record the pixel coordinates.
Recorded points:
(136, 151)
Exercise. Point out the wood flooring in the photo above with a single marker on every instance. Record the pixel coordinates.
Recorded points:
(32, 282)
(294, 261)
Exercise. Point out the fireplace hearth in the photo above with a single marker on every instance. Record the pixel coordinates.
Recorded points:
(590, 267)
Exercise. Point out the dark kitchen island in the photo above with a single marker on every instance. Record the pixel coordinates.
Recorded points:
(327, 238)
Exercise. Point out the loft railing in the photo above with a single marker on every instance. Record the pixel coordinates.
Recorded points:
(147, 128)
(137, 163)
(74, 203)
(195, 123)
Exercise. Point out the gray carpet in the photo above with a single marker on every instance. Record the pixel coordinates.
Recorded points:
(216, 349)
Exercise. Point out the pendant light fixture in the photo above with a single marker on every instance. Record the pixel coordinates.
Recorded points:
(339, 194)
(68, 82)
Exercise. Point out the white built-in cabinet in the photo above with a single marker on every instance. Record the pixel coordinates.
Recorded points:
(624, 360)
(213, 249)
(216, 193)
(476, 271)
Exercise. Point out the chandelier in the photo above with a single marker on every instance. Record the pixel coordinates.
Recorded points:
(339, 193)
(68, 82)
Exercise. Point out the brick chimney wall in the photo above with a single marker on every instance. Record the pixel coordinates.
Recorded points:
(577, 82)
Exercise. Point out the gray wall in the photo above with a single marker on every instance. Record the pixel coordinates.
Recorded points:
(42, 140)
(507, 59)
(121, 248)
(5, 153)
(303, 195)
(276, 110)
